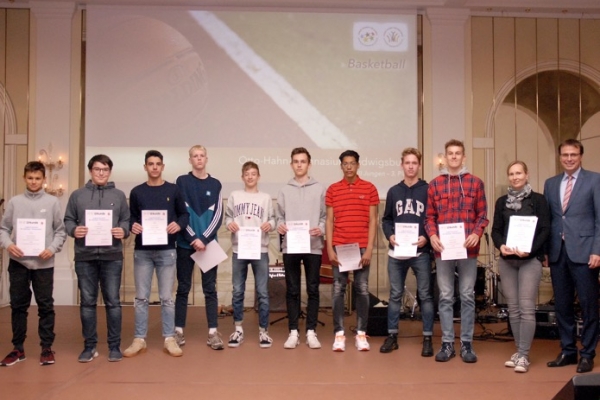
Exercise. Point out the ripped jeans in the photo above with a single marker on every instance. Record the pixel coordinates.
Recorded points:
(144, 264)
(361, 294)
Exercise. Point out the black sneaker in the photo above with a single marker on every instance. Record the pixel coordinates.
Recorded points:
(446, 352)
(13, 357)
(427, 347)
(466, 352)
(87, 355)
(390, 344)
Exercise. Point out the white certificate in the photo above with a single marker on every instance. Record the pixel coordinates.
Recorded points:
(155, 224)
(520, 233)
(99, 224)
(297, 237)
(453, 239)
(210, 257)
(406, 235)
(348, 256)
(31, 236)
(249, 243)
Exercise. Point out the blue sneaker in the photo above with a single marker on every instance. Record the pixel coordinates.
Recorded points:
(87, 355)
(114, 354)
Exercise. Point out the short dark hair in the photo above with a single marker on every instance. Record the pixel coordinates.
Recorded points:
(102, 159)
(33, 166)
(454, 142)
(571, 142)
(153, 153)
(300, 150)
(349, 153)
(250, 165)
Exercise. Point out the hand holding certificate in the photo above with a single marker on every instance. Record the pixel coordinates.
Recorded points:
(298, 237)
(31, 236)
(406, 235)
(212, 255)
(452, 237)
(348, 256)
(521, 231)
(99, 226)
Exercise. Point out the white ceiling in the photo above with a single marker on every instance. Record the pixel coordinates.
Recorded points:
(567, 8)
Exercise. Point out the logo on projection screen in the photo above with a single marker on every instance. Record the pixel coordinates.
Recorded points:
(372, 36)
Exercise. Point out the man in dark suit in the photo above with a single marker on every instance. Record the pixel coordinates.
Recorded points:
(574, 253)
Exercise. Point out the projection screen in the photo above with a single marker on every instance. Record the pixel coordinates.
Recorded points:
(250, 86)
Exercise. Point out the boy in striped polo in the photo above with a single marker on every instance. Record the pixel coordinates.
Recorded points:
(351, 218)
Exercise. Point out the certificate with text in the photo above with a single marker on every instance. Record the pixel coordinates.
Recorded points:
(298, 237)
(99, 224)
(249, 243)
(520, 232)
(154, 223)
(348, 256)
(406, 235)
(453, 239)
(31, 236)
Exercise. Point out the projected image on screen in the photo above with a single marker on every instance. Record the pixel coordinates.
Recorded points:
(250, 86)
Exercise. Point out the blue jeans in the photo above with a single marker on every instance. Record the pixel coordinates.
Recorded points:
(397, 270)
(361, 286)
(42, 282)
(467, 274)
(260, 269)
(144, 264)
(185, 272)
(107, 274)
(293, 272)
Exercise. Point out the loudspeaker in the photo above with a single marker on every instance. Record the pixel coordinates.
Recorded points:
(580, 387)
(277, 289)
(377, 322)
(545, 323)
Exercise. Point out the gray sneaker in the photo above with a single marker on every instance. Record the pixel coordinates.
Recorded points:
(215, 342)
(87, 355)
(114, 354)
(179, 338)
(466, 352)
(446, 352)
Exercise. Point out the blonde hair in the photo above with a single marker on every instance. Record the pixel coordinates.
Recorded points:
(516, 162)
(197, 147)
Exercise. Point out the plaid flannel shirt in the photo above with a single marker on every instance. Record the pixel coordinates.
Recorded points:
(457, 198)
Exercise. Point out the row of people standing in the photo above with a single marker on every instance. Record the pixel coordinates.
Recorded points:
(349, 216)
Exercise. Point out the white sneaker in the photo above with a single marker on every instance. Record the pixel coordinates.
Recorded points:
(292, 340)
(360, 341)
(339, 343)
(236, 338)
(311, 340)
(522, 365)
(513, 361)
(264, 340)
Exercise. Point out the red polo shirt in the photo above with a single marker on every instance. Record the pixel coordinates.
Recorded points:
(351, 204)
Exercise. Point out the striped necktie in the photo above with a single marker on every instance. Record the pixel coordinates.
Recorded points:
(568, 191)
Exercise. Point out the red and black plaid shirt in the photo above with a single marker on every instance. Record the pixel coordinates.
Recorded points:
(457, 198)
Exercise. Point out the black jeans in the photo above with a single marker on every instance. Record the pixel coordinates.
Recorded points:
(293, 271)
(42, 282)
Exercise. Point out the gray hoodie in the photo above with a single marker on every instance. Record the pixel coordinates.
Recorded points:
(38, 205)
(296, 202)
(93, 197)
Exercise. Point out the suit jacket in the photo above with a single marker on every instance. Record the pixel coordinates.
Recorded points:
(580, 222)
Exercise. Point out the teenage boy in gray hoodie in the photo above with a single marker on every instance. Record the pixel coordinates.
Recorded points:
(37, 208)
(302, 199)
(99, 264)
